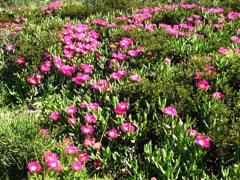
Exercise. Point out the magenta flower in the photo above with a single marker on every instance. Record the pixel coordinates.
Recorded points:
(170, 111)
(113, 133)
(121, 108)
(97, 163)
(33, 167)
(83, 157)
(77, 166)
(192, 132)
(54, 116)
(71, 150)
(127, 127)
(198, 75)
(21, 60)
(33, 80)
(97, 145)
(10, 48)
(115, 75)
(50, 156)
(87, 129)
(135, 78)
(132, 53)
(54, 164)
(71, 109)
(235, 38)
(89, 142)
(114, 63)
(217, 95)
(210, 69)
(93, 106)
(203, 141)
(203, 85)
(72, 120)
(89, 118)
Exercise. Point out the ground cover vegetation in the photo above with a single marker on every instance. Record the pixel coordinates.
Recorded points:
(119, 90)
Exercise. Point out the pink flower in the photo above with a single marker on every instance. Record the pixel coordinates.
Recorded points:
(203, 141)
(38, 76)
(203, 85)
(89, 118)
(208, 58)
(87, 129)
(71, 150)
(93, 106)
(67, 140)
(169, 111)
(33, 167)
(97, 146)
(235, 38)
(223, 50)
(97, 163)
(83, 157)
(77, 166)
(54, 116)
(10, 48)
(72, 120)
(114, 63)
(192, 132)
(86, 68)
(21, 60)
(132, 53)
(210, 69)
(135, 78)
(127, 127)
(71, 109)
(121, 108)
(33, 80)
(113, 133)
(217, 95)
(115, 75)
(54, 164)
(50, 156)
(89, 142)
(198, 75)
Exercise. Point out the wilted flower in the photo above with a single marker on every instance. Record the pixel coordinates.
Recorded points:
(203, 141)
(33, 167)
(169, 111)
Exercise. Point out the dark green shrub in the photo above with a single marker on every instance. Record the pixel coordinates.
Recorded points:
(18, 144)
